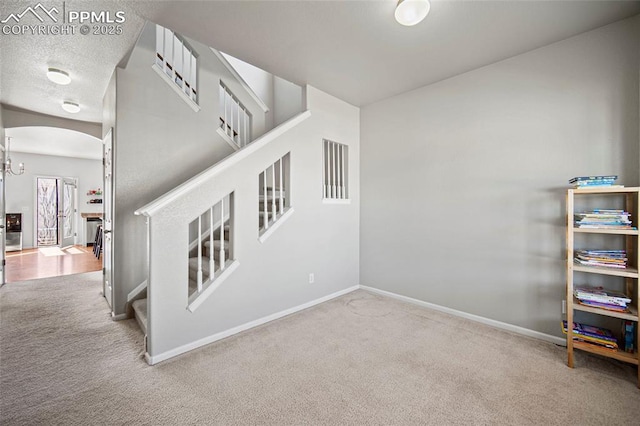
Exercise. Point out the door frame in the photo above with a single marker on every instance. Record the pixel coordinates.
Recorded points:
(107, 218)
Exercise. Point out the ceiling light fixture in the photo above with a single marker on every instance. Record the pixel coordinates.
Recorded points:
(7, 161)
(58, 76)
(70, 107)
(411, 12)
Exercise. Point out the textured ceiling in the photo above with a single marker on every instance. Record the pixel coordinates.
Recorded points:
(89, 59)
(351, 49)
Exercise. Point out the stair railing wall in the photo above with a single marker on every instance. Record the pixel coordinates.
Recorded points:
(184, 279)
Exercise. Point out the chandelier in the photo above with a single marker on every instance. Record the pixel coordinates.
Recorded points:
(7, 163)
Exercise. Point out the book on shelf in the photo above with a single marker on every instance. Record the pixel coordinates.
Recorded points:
(629, 336)
(602, 258)
(603, 218)
(598, 336)
(605, 306)
(602, 295)
(594, 182)
(593, 178)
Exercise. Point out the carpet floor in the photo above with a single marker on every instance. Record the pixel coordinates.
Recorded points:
(360, 359)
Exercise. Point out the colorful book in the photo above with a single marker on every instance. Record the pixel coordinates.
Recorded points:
(592, 331)
(591, 178)
(600, 294)
(606, 306)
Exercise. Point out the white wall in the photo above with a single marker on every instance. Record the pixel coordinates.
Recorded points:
(161, 142)
(21, 190)
(287, 100)
(273, 276)
(464, 181)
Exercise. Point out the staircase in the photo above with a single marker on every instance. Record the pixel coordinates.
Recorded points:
(140, 306)
(140, 309)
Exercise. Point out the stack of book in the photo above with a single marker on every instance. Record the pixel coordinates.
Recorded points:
(600, 298)
(602, 258)
(603, 218)
(594, 181)
(596, 336)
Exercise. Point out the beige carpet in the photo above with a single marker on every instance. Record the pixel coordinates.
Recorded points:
(360, 359)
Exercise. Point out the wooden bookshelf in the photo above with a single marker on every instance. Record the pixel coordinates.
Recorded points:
(606, 231)
(627, 272)
(631, 200)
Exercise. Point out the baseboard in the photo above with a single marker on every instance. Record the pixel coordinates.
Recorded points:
(487, 321)
(151, 360)
(119, 317)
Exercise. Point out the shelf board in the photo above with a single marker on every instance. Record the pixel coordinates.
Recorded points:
(632, 316)
(619, 355)
(604, 190)
(627, 272)
(606, 231)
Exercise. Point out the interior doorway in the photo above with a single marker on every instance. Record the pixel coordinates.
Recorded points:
(57, 190)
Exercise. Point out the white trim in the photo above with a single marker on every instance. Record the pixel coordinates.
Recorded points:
(336, 201)
(487, 321)
(235, 330)
(228, 139)
(119, 317)
(194, 106)
(209, 289)
(275, 225)
(243, 83)
(136, 291)
(159, 203)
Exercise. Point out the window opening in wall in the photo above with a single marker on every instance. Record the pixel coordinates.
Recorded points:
(178, 60)
(335, 161)
(274, 196)
(211, 245)
(235, 119)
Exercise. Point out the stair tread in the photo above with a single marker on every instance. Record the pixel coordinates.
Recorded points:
(140, 309)
(193, 265)
(216, 244)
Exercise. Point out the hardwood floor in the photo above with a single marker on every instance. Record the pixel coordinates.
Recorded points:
(47, 262)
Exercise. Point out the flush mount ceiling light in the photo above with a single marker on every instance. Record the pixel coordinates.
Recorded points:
(71, 107)
(58, 76)
(411, 12)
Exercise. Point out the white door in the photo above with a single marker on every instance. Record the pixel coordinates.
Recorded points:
(107, 218)
(67, 212)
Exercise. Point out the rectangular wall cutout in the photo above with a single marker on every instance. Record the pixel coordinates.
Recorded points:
(335, 160)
